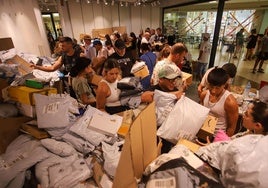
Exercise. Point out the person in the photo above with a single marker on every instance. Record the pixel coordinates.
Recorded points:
(80, 73)
(230, 69)
(57, 50)
(176, 57)
(102, 55)
(252, 40)
(89, 51)
(133, 47)
(150, 60)
(239, 42)
(204, 53)
(124, 58)
(220, 101)
(68, 58)
(164, 53)
(107, 95)
(109, 47)
(158, 36)
(146, 38)
(263, 54)
(168, 75)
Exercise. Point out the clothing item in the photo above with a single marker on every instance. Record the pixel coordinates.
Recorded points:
(150, 60)
(125, 62)
(217, 110)
(70, 61)
(90, 52)
(206, 48)
(113, 99)
(103, 52)
(252, 41)
(239, 39)
(80, 86)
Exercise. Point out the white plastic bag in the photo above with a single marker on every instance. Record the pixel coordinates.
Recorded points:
(164, 103)
(184, 121)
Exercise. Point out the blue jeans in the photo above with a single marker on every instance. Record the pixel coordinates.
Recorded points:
(202, 67)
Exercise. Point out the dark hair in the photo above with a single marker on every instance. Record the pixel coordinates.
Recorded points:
(253, 31)
(108, 42)
(230, 69)
(117, 35)
(260, 114)
(66, 39)
(81, 64)
(145, 47)
(132, 34)
(178, 48)
(110, 64)
(217, 77)
(164, 53)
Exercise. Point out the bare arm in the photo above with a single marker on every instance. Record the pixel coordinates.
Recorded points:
(86, 100)
(102, 94)
(231, 109)
(202, 97)
(52, 68)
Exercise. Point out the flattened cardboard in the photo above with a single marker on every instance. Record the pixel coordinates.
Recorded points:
(24, 67)
(9, 130)
(208, 128)
(127, 121)
(190, 145)
(187, 77)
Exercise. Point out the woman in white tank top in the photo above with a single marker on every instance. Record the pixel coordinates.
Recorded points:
(107, 96)
(221, 102)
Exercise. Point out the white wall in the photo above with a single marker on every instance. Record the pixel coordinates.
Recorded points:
(85, 17)
(21, 20)
(264, 24)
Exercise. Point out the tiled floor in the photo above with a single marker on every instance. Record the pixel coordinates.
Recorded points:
(244, 69)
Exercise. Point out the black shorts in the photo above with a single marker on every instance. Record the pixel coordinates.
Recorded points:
(263, 56)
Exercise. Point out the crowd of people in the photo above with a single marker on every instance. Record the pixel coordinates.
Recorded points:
(114, 58)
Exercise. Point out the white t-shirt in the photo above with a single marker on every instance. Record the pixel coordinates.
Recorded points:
(206, 48)
(103, 52)
(90, 52)
(144, 40)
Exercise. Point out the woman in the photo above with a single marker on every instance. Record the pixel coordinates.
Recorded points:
(252, 40)
(133, 48)
(80, 72)
(107, 92)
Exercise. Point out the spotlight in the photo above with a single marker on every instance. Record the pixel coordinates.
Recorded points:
(88, 1)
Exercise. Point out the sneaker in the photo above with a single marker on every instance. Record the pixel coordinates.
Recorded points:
(261, 71)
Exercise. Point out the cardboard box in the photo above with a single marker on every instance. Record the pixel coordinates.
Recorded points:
(208, 128)
(127, 121)
(190, 145)
(187, 77)
(24, 67)
(3, 84)
(24, 94)
(139, 150)
(27, 110)
(9, 130)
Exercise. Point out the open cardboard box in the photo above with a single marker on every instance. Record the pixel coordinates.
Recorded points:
(188, 78)
(208, 128)
(139, 149)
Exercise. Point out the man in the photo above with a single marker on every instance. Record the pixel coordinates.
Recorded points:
(68, 58)
(146, 38)
(220, 101)
(124, 59)
(150, 60)
(239, 42)
(230, 69)
(158, 37)
(204, 53)
(176, 57)
(102, 55)
(263, 54)
(89, 51)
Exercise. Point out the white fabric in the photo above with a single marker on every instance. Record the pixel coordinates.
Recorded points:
(164, 103)
(113, 99)
(59, 148)
(206, 48)
(18, 181)
(52, 111)
(81, 128)
(7, 54)
(217, 110)
(111, 156)
(21, 154)
(242, 161)
(46, 76)
(10, 69)
(184, 121)
(78, 143)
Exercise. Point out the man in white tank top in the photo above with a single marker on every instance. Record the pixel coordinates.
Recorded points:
(221, 102)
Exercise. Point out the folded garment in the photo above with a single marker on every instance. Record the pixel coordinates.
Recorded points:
(20, 155)
(126, 93)
(129, 83)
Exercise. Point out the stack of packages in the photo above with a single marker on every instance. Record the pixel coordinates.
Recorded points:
(66, 158)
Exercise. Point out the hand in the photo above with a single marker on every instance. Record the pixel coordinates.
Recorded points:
(33, 66)
(178, 94)
(147, 96)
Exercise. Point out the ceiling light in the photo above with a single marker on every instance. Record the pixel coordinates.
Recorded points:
(88, 1)
(121, 3)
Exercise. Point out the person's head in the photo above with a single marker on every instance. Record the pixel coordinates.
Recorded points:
(108, 44)
(107, 37)
(217, 80)
(206, 36)
(97, 44)
(132, 34)
(147, 35)
(242, 30)
(178, 52)
(152, 32)
(120, 47)
(87, 39)
(256, 118)
(253, 31)
(158, 31)
(230, 69)
(164, 52)
(111, 70)
(145, 47)
(168, 76)
(66, 44)
(147, 30)
(82, 66)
